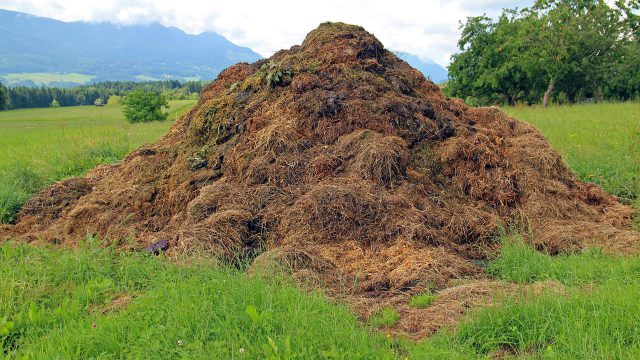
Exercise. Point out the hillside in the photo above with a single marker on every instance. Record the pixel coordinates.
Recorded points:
(104, 51)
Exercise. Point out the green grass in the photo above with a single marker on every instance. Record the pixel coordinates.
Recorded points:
(520, 263)
(596, 316)
(422, 300)
(61, 304)
(385, 317)
(47, 78)
(40, 146)
(146, 78)
(600, 142)
(52, 297)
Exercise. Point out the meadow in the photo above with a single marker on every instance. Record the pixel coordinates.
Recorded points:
(94, 302)
(41, 146)
(46, 79)
(600, 142)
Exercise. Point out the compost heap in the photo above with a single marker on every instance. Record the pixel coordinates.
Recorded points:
(342, 160)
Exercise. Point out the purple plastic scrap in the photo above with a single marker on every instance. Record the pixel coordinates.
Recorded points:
(157, 247)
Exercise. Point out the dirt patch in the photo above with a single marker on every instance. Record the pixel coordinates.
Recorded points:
(119, 302)
(341, 154)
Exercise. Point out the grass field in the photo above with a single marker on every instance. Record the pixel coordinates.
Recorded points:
(46, 79)
(95, 303)
(92, 303)
(600, 142)
(40, 146)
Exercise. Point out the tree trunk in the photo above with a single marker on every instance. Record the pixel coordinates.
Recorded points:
(547, 93)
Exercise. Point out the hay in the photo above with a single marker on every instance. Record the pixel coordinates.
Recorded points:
(340, 160)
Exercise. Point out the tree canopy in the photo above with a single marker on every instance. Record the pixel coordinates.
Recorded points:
(141, 106)
(4, 97)
(562, 50)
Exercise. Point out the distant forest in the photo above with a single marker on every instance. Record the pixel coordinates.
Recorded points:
(21, 97)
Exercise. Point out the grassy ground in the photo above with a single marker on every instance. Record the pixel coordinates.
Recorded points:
(47, 78)
(40, 146)
(600, 142)
(96, 303)
(92, 303)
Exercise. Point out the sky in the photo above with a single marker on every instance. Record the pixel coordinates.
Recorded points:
(428, 28)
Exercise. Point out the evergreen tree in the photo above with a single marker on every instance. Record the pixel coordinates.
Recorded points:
(4, 97)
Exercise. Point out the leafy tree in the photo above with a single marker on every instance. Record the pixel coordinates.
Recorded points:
(576, 41)
(490, 69)
(141, 106)
(561, 49)
(98, 102)
(55, 103)
(80, 99)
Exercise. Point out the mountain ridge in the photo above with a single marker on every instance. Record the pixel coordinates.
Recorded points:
(108, 51)
(34, 47)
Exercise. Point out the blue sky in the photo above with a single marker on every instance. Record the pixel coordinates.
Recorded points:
(428, 29)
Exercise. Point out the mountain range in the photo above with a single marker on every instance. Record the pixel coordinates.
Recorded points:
(42, 51)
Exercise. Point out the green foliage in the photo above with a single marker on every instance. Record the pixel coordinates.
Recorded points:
(140, 106)
(200, 158)
(55, 103)
(4, 97)
(98, 102)
(276, 76)
(557, 49)
(21, 97)
(385, 317)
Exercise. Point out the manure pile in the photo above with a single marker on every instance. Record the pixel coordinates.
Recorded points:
(342, 160)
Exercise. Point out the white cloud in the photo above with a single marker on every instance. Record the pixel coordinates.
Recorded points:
(428, 29)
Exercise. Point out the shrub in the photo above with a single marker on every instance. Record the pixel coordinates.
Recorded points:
(140, 106)
(114, 100)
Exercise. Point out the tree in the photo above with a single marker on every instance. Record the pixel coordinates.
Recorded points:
(4, 97)
(80, 99)
(490, 68)
(98, 102)
(557, 49)
(575, 41)
(55, 103)
(141, 106)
